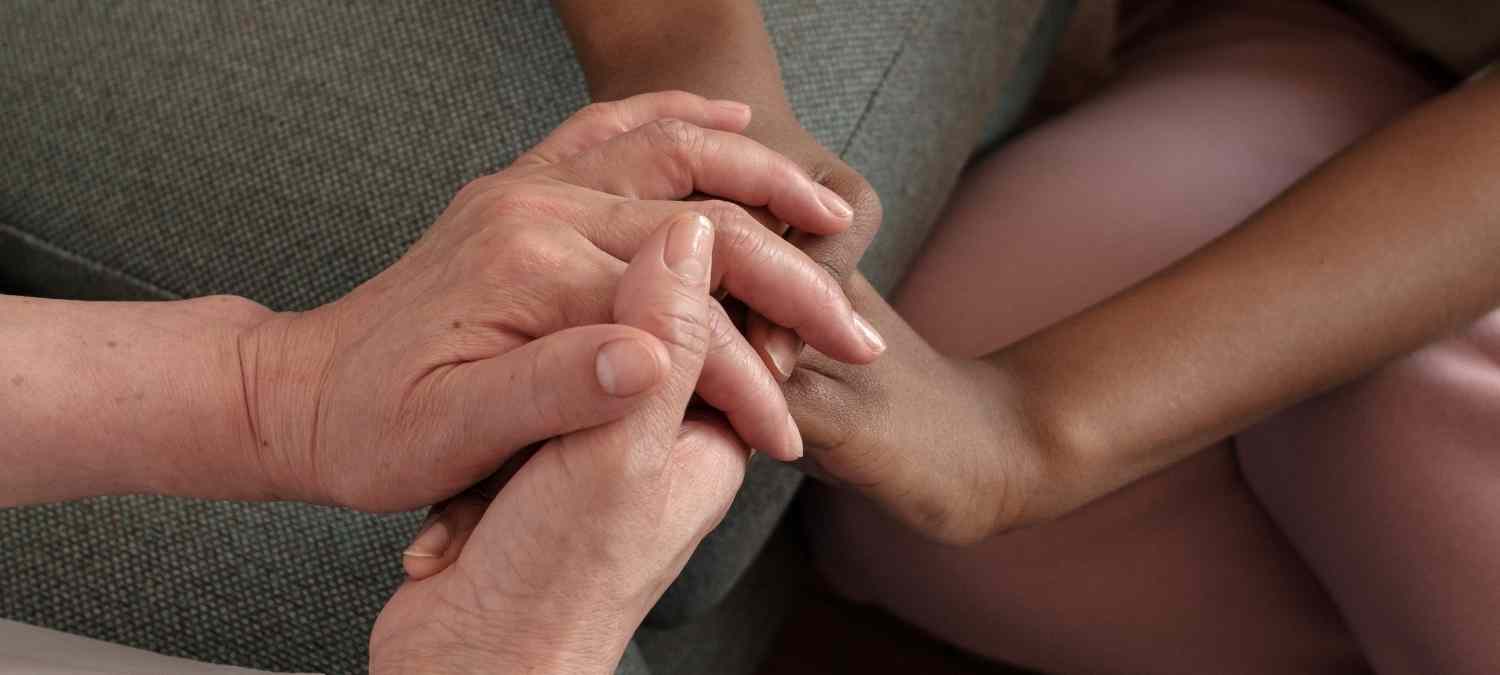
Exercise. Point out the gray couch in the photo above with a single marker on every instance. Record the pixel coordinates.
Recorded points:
(285, 151)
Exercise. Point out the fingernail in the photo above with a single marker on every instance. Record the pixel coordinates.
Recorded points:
(784, 347)
(432, 541)
(834, 203)
(796, 438)
(734, 107)
(625, 368)
(868, 332)
(685, 247)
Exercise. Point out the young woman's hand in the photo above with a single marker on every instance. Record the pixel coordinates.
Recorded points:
(777, 128)
(426, 378)
(555, 574)
(943, 444)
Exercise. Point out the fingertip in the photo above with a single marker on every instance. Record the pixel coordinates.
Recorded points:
(794, 442)
(630, 366)
(869, 335)
(428, 550)
(688, 246)
(835, 205)
(443, 535)
(782, 348)
(734, 115)
(418, 569)
(855, 341)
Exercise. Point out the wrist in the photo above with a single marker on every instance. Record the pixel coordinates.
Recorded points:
(283, 363)
(1058, 451)
(213, 455)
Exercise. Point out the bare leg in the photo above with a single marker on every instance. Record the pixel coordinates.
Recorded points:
(1182, 572)
(1390, 489)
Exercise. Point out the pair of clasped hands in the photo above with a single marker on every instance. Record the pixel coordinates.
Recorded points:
(528, 367)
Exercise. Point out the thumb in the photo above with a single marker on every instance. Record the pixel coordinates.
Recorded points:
(570, 380)
(664, 292)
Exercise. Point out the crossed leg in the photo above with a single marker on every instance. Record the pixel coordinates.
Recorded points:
(1184, 571)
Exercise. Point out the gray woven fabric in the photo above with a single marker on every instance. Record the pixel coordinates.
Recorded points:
(286, 152)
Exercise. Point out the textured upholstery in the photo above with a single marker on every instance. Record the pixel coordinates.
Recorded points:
(286, 151)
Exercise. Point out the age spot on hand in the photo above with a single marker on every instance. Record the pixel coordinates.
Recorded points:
(17, 381)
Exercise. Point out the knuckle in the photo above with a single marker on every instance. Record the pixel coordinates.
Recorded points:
(539, 254)
(602, 114)
(683, 326)
(721, 331)
(738, 231)
(676, 96)
(674, 136)
(721, 213)
(674, 144)
(509, 203)
(866, 202)
(502, 250)
(837, 258)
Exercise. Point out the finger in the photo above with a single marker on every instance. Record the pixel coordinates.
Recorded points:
(570, 380)
(599, 122)
(733, 378)
(779, 347)
(831, 401)
(735, 382)
(671, 159)
(446, 529)
(767, 273)
(841, 254)
(663, 292)
(442, 535)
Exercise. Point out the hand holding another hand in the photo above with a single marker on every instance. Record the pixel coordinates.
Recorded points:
(555, 573)
(489, 335)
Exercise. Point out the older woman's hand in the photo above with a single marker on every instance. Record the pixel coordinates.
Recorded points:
(426, 378)
(555, 574)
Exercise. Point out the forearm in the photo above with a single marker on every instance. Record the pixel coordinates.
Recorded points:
(105, 398)
(714, 49)
(1387, 247)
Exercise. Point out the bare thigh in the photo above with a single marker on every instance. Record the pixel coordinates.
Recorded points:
(1390, 489)
(1183, 571)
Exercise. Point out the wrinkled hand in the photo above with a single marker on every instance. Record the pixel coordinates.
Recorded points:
(839, 253)
(941, 443)
(556, 573)
(423, 380)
